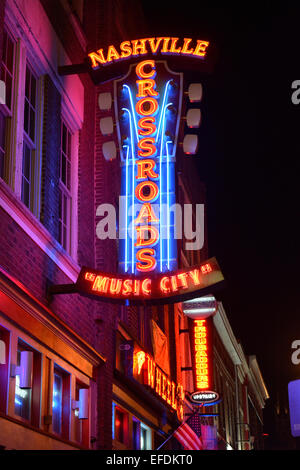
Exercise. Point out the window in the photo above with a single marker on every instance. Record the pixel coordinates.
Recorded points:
(57, 402)
(65, 199)
(136, 431)
(2, 144)
(7, 75)
(23, 397)
(29, 139)
(27, 400)
(120, 424)
(61, 402)
(7, 67)
(4, 361)
(146, 439)
(141, 435)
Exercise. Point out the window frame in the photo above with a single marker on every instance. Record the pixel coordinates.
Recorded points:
(36, 388)
(65, 402)
(64, 190)
(6, 111)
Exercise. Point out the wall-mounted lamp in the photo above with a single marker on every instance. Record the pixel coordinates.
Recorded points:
(105, 101)
(2, 352)
(83, 404)
(106, 125)
(195, 92)
(190, 144)
(109, 150)
(24, 370)
(193, 118)
(2, 92)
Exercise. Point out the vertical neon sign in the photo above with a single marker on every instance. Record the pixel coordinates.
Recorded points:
(148, 108)
(203, 360)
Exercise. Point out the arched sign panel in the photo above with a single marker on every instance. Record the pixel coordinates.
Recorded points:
(112, 61)
(168, 287)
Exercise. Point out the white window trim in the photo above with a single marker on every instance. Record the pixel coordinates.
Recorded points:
(29, 49)
(37, 232)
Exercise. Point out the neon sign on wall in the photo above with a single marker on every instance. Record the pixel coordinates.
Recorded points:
(160, 287)
(146, 371)
(142, 47)
(148, 107)
(202, 353)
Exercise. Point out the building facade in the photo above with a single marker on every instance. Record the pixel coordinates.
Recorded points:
(78, 373)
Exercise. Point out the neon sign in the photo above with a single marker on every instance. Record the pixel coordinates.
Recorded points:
(146, 371)
(166, 287)
(148, 107)
(207, 397)
(141, 47)
(202, 353)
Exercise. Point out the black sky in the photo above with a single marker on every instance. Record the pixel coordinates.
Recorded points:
(249, 159)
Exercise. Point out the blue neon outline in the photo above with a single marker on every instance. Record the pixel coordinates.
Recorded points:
(168, 200)
(160, 175)
(162, 109)
(133, 112)
(133, 162)
(159, 135)
(126, 209)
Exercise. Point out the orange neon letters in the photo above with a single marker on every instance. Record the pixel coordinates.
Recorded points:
(145, 168)
(147, 147)
(146, 88)
(152, 194)
(136, 47)
(146, 106)
(145, 229)
(146, 261)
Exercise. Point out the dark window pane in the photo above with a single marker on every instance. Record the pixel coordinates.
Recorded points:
(119, 425)
(27, 84)
(4, 47)
(32, 125)
(26, 117)
(65, 209)
(26, 162)
(60, 232)
(8, 83)
(57, 403)
(1, 163)
(10, 55)
(64, 244)
(33, 91)
(68, 174)
(63, 169)
(2, 131)
(64, 139)
(25, 192)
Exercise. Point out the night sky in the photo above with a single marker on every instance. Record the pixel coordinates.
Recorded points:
(249, 159)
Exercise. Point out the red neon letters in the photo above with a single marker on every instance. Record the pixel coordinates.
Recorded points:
(152, 376)
(161, 286)
(201, 355)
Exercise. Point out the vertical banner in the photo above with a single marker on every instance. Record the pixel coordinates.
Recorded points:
(148, 108)
(201, 335)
